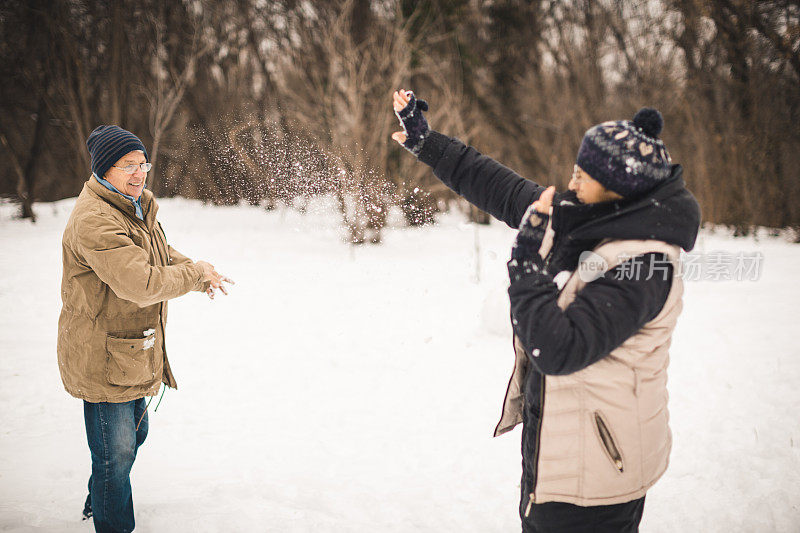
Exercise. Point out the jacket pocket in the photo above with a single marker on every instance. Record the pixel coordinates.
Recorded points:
(130, 361)
(608, 442)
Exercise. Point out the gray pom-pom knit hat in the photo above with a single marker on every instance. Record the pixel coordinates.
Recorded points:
(626, 156)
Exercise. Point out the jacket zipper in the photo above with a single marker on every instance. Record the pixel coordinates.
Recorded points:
(158, 248)
(532, 495)
(551, 252)
(608, 442)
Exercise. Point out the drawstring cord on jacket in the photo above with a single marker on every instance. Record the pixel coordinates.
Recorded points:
(146, 407)
(159, 399)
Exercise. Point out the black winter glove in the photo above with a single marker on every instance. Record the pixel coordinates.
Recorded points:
(525, 258)
(531, 234)
(414, 124)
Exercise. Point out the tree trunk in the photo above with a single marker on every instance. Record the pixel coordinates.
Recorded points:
(117, 85)
(29, 173)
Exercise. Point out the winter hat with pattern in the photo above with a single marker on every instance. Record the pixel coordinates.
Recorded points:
(107, 144)
(626, 156)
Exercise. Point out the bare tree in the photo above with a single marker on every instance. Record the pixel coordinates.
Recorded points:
(271, 102)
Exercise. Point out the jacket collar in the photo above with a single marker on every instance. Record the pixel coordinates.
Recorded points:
(119, 202)
(668, 213)
(137, 202)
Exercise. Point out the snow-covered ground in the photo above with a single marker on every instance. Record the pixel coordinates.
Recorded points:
(356, 389)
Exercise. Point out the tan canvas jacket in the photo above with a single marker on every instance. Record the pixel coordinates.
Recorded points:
(118, 273)
(604, 436)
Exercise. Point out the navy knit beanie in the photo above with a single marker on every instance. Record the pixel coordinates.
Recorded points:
(107, 144)
(626, 156)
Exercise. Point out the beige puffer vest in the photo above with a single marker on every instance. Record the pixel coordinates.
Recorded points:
(604, 435)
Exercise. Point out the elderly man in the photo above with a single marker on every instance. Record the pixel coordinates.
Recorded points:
(118, 273)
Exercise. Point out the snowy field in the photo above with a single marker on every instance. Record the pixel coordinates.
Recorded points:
(342, 389)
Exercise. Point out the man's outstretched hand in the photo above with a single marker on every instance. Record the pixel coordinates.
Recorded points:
(215, 279)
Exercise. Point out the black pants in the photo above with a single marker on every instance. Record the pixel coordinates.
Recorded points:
(557, 517)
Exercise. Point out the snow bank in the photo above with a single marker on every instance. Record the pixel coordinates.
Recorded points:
(356, 389)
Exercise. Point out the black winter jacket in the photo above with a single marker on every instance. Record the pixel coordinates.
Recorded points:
(608, 310)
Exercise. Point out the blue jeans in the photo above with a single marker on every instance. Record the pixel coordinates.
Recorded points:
(113, 441)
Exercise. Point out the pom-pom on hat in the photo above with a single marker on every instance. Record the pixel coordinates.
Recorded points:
(107, 144)
(627, 156)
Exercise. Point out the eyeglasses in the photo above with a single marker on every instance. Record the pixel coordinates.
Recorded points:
(576, 174)
(130, 169)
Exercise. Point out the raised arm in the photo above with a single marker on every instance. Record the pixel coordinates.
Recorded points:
(484, 182)
(604, 314)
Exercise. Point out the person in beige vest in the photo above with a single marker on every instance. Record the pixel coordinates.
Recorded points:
(595, 294)
(119, 271)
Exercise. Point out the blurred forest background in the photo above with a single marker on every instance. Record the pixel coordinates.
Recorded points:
(270, 102)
